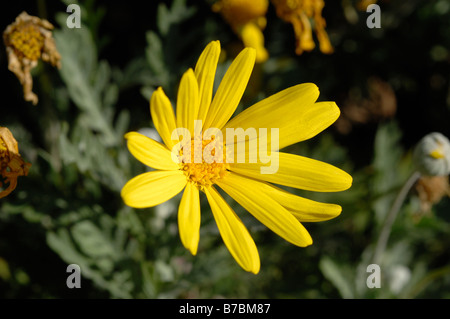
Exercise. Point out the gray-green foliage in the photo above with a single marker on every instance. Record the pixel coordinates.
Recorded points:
(402, 276)
(109, 244)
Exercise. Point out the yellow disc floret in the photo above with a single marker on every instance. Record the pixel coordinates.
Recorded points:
(27, 41)
(203, 161)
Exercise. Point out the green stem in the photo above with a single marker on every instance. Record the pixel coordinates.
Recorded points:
(386, 230)
(432, 276)
(42, 9)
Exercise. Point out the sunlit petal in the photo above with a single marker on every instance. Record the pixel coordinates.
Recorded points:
(187, 101)
(163, 116)
(247, 192)
(189, 218)
(205, 71)
(234, 233)
(298, 172)
(231, 89)
(150, 152)
(152, 188)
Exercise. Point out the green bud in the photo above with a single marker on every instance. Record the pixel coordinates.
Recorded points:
(432, 155)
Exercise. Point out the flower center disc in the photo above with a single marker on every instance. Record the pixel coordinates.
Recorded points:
(203, 161)
(27, 41)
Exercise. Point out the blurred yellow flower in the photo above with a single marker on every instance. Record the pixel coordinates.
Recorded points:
(11, 163)
(293, 114)
(27, 40)
(299, 13)
(247, 19)
(363, 4)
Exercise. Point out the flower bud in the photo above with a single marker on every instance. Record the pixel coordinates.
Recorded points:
(432, 155)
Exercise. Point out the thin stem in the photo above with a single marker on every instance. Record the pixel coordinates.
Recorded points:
(42, 9)
(386, 230)
(422, 284)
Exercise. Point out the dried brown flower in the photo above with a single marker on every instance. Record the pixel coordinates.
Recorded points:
(431, 190)
(11, 163)
(27, 40)
(299, 13)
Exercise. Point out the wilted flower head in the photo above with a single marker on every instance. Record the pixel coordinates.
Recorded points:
(247, 19)
(432, 155)
(11, 163)
(27, 40)
(431, 190)
(299, 13)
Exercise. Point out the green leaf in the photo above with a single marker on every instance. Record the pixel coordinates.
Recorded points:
(92, 240)
(339, 275)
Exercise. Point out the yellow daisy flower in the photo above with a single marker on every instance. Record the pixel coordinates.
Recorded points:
(285, 118)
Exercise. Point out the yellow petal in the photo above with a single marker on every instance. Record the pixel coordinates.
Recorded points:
(189, 218)
(163, 116)
(231, 89)
(187, 101)
(292, 111)
(205, 71)
(305, 210)
(318, 118)
(150, 152)
(234, 233)
(295, 100)
(152, 188)
(247, 192)
(298, 172)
